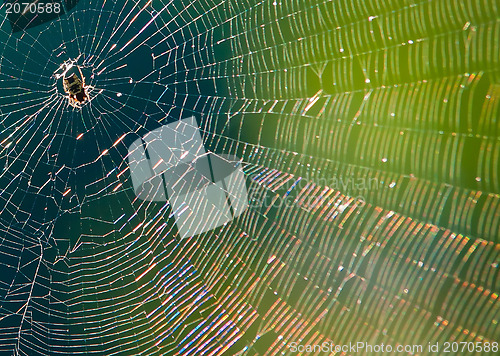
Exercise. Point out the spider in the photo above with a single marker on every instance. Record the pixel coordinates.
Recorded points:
(76, 89)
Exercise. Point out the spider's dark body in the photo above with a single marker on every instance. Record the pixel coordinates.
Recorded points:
(76, 90)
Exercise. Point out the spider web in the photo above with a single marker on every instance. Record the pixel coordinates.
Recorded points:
(369, 136)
